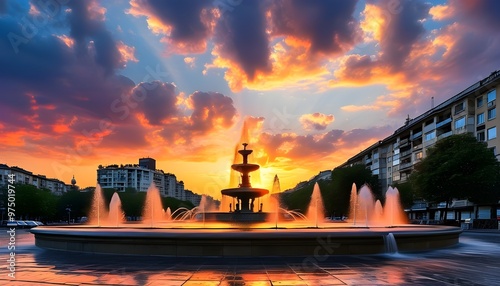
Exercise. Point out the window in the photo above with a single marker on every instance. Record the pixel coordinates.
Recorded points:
(492, 95)
(460, 123)
(459, 107)
(480, 137)
(479, 101)
(492, 133)
(429, 136)
(396, 177)
(418, 156)
(480, 119)
(492, 113)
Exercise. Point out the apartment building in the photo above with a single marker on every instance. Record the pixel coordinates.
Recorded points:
(471, 111)
(22, 176)
(140, 177)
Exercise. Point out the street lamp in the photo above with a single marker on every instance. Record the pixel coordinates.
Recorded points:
(68, 209)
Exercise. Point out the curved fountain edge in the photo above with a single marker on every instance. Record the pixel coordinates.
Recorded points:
(252, 242)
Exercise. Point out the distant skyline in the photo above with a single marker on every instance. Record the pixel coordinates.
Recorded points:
(88, 83)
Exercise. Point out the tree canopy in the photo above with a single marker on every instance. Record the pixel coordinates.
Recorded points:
(335, 193)
(458, 167)
(342, 180)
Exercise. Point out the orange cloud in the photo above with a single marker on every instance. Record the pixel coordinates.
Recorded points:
(127, 52)
(70, 42)
(441, 12)
(316, 121)
(356, 108)
(190, 61)
(292, 66)
(375, 19)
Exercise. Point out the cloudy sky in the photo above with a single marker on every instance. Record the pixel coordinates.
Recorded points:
(308, 83)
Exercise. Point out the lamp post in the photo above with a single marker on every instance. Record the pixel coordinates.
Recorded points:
(68, 209)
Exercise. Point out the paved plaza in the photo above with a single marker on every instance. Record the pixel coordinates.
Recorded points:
(475, 261)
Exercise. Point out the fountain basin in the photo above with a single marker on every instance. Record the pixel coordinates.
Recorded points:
(244, 242)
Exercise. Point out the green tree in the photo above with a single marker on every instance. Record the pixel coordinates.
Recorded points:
(300, 198)
(79, 203)
(458, 167)
(406, 194)
(342, 180)
(34, 203)
(335, 193)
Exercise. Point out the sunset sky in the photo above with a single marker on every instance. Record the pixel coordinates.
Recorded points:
(85, 83)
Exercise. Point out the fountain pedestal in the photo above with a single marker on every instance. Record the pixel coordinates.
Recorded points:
(244, 193)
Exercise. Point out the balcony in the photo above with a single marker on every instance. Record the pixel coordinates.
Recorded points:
(464, 129)
(461, 204)
(403, 143)
(404, 166)
(416, 135)
(417, 147)
(441, 123)
(405, 153)
(419, 206)
(444, 135)
(429, 127)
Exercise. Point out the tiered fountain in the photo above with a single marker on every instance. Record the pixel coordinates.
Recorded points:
(246, 230)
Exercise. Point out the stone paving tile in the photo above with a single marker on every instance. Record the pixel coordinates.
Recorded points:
(325, 282)
(288, 283)
(473, 262)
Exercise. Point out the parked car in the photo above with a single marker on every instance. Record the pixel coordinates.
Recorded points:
(17, 224)
(31, 223)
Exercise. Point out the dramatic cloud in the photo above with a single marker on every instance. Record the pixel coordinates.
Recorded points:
(327, 27)
(247, 46)
(64, 92)
(305, 150)
(184, 24)
(316, 121)
(210, 112)
(156, 100)
(285, 45)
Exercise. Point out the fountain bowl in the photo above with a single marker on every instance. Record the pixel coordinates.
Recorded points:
(245, 242)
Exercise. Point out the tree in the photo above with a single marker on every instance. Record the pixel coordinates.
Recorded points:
(342, 180)
(34, 203)
(458, 167)
(406, 194)
(335, 193)
(300, 198)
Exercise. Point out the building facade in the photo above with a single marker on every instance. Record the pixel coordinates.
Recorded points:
(140, 177)
(471, 111)
(22, 176)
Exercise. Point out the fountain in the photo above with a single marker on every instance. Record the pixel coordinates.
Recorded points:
(255, 224)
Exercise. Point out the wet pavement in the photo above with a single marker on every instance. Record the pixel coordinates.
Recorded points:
(474, 261)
